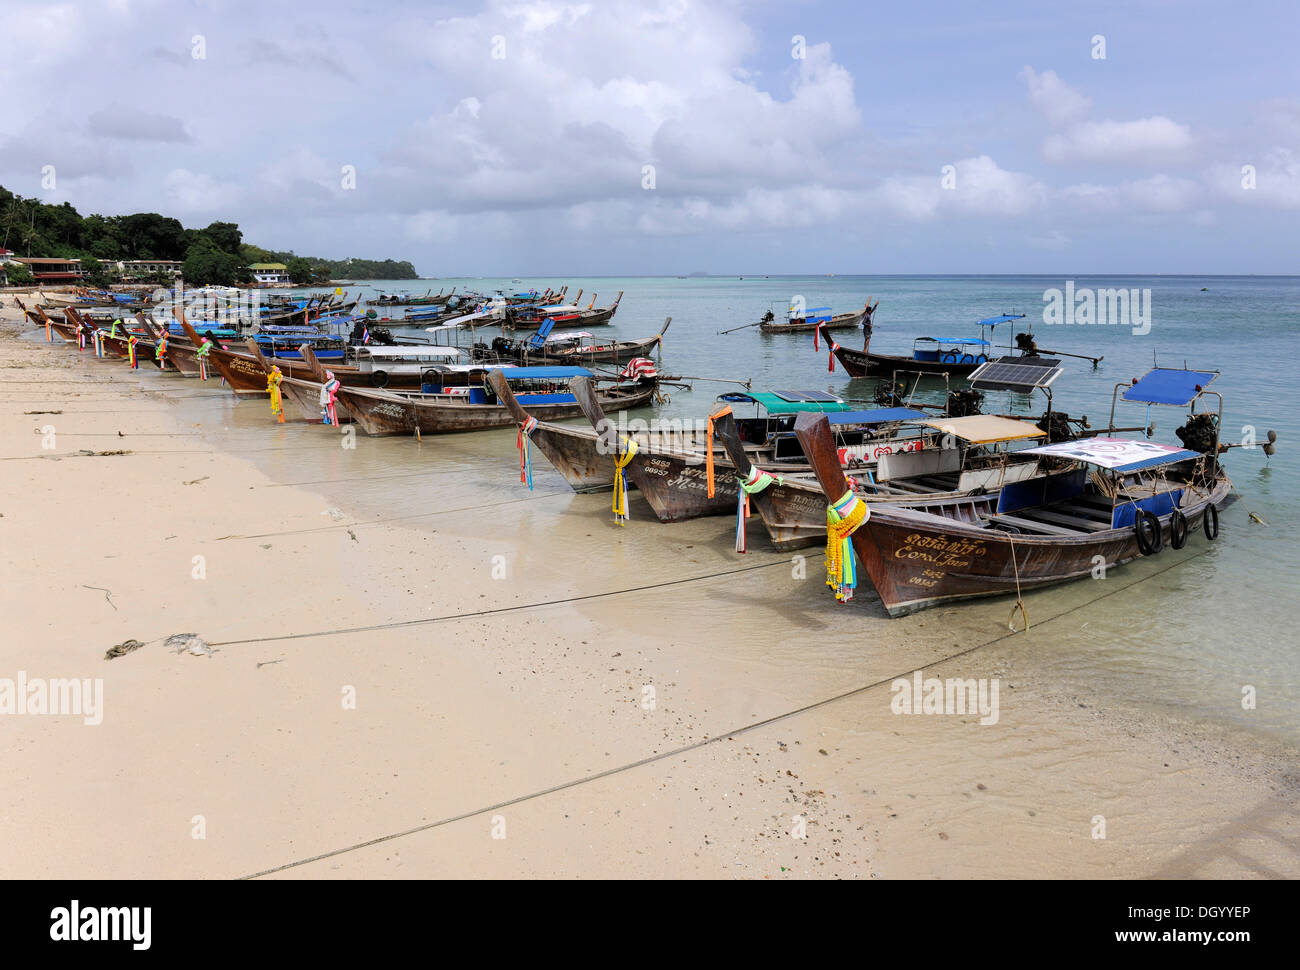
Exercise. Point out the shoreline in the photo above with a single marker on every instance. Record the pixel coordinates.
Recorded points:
(462, 714)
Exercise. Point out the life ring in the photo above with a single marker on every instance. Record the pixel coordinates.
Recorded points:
(379, 378)
(967, 359)
(1177, 530)
(948, 358)
(1150, 538)
(1211, 512)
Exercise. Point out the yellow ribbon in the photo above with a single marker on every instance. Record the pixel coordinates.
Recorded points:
(842, 520)
(620, 480)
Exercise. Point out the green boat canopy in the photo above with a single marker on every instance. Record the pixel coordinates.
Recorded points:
(790, 402)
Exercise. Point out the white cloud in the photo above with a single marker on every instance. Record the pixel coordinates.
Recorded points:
(981, 188)
(1148, 140)
(1058, 102)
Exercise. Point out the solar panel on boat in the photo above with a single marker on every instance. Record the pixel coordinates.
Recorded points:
(1021, 374)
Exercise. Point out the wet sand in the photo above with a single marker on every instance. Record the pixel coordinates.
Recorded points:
(331, 572)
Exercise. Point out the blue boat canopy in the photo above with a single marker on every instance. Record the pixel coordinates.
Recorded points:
(955, 340)
(542, 373)
(876, 416)
(1003, 318)
(1168, 385)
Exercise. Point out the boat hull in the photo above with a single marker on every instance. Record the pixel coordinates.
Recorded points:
(917, 561)
(382, 413)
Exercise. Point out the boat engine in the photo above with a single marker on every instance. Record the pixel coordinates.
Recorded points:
(962, 404)
(1026, 345)
(890, 394)
(1199, 433)
(1056, 424)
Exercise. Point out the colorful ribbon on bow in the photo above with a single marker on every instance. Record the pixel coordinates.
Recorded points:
(160, 352)
(131, 341)
(99, 342)
(831, 347)
(205, 348)
(273, 386)
(522, 442)
(708, 449)
(842, 520)
(750, 484)
(621, 461)
(328, 392)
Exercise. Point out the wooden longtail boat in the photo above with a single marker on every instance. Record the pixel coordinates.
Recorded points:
(955, 356)
(575, 452)
(470, 405)
(244, 373)
(561, 318)
(793, 507)
(568, 349)
(1114, 500)
(818, 318)
(672, 477)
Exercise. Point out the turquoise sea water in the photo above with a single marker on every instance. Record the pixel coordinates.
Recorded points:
(1204, 631)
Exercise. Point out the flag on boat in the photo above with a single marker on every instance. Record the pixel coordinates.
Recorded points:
(639, 369)
(365, 333)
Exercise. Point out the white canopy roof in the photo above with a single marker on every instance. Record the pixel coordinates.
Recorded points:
(1118, 454)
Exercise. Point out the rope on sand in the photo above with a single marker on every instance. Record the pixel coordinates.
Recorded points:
(684, 749)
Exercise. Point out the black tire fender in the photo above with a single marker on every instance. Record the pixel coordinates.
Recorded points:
(1177, 530)
(379, 378)
(1150, 537)
(1211, 515)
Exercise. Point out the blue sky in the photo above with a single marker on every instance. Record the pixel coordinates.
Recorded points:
(512, 137)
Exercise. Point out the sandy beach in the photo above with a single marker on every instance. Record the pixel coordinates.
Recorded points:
(423, 670)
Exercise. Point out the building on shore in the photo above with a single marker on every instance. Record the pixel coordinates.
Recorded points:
(139, 269)
(270, 274)
(51, 269)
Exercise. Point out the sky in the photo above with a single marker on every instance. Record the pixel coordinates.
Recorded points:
(664, 137)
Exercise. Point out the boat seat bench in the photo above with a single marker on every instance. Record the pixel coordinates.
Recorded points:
(1031, 525)
(1075, 521)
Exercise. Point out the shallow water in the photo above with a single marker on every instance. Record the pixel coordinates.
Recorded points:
(1187, 638)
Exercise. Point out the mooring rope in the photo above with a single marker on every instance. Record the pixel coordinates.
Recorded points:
(694, 746)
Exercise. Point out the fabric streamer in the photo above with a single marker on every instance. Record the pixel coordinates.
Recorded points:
(817, 332)
(831, 347)
(160, 352)
(131, 341)
(750, 484)
(842, 520)
(620, 479)
(328, 392)
(708, 449)
(273, 386)
(522, 442)
(205, 348)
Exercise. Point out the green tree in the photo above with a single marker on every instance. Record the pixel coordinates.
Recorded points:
(300, 270)
(19, 274)
(226, 235)
(151, 236)
(94, 272)
(206, 264)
